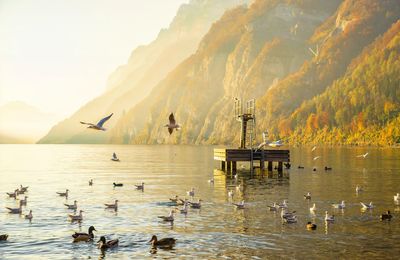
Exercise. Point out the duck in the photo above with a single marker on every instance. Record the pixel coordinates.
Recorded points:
(239, 188)
(287, 165)
(76, 217)
(239, 205)
(314, 169)
(290, 220)
(329, 218)
(358, 189)
(313, 208)
(13, 194)
(112, 206)
(15, 210)
(196, 205)
(118, 184)
(311, 226)
(283, 205)
(300, 167)
(175, 200)
(109, 244)
(328, 168)
(63, 194)
(29, 216)
(72, 206)
(140, 186)
(22, 188)
(3, 237)
(367, 206)
(169, 218)
(191, 192)
(20, 192)
(307, 196)
(396, 197)
(168, 241)
(386, 216)
(84, 236)
(273, 207)
(24, 201)
(91, 182)
(340, 205)
(286, 214)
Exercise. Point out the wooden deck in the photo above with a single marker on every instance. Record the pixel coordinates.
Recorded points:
(230, 157)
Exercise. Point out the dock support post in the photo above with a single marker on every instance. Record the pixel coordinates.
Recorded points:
(228, 166)
(280, 166)
(262, 163)
(233, 166)
(270, 166)
(223, 165)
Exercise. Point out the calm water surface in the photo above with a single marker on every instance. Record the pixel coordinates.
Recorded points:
(218, 230)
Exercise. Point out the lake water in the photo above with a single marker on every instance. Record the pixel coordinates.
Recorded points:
(218, 230)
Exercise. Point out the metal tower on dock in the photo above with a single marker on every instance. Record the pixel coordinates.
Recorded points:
(247, 120)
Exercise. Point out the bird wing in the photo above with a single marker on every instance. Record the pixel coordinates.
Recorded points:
(170, 130)
(102, 121)
(171, 119)
(84, 123)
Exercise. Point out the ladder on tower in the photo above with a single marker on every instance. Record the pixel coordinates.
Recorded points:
(251, 124)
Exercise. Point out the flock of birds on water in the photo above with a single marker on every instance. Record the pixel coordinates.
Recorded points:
(287, 216)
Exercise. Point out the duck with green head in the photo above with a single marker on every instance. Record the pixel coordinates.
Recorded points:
(78, 237)
(103, 244)
(168, 241)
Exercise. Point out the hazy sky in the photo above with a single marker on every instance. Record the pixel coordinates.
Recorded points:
(57, 54)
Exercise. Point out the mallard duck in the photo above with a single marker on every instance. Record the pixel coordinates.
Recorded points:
(29, 216)
(63, 194)
(283, 205)
(311, 226)
(24, 201)
(118, 184)
(169, 218)
(112, 206)
(91, 182)
(175, 200)
(239, 205)
(15, 210)
(140, 186)
(182, 202)
(307, 196)
(76, 217)
(273, 207)
(313, 208)
(13, 194)
(386, 216)
(168, 241)
(195, 205)
(367, 206)
(84, 236)
(109, 244)
(341, 205)
(3, 237)
(72, 206)
(191, 192)
(329, 218)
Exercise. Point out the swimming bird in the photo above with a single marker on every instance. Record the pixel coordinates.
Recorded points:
(359, 189)
(396, 197)
(24, 201)
(283, 205)
(276, 143)
(99, 125)
(230, 194)
(329, 218)
(172, 124)
(168, 241)
(211, 181)
(115, 158)
(307, 196)
(3, 237)
(140, 186)
(109, 244)
(76, 217)
(63, 194)
(13, 194)
(72, 206)
(386, 216)
(169, 218)
(118, 184)
(286, 214)
(362, 155)
(340, 205)
(313, 208)
(316, 157)
(15, 210)
(367, 206)
(314, 169)
(273, 207)
(290, 220)
(190, 193)
(84, 236)
(311, 226)
(29, 216)
(328, 168)
(239, 205)
(91, 182)
(195, 205)
(184, 209)
(113, 206)
(300, 167)
(313, 149)
(23, 189)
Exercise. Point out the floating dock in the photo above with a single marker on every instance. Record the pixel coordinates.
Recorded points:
(230, 157)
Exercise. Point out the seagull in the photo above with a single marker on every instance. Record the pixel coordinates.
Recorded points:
(316, 157)
(265, 141)
(29, 216)
(99, 125)
(76, 217)
(239, 205)
(396, 197)
(114, 158)
(15, 210)
(367, 206)
(140, 186)
(230, 194)
(286, 214)
(290, 220)
(184, 209)
(13, 194)
(72, 206)
(386, 215)
(276, 143)
(191, 192)
(313, 149)
(313, 208)
(196, 205)
(273, 207)
(362, 155)
(172, 124)
(339, 206)
(211, 181)
(329, 218)
(113, 206)
(359, 189)
(169, 218)
(307, 196)
(63, 194)
(24, 201)
(283, 205)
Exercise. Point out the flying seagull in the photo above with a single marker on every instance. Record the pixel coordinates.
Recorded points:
(99, 125)
(172, 124)
(362, 155)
